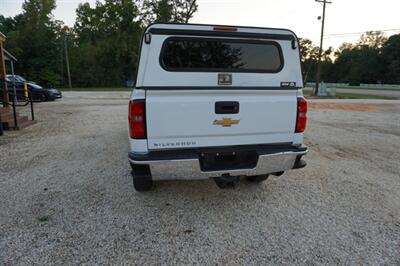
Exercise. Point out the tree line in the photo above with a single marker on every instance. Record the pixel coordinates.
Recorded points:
(103, 45)
(373, 59)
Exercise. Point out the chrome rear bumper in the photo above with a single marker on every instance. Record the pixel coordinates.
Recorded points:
(189, 169)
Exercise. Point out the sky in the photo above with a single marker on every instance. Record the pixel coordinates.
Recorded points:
(349, 17)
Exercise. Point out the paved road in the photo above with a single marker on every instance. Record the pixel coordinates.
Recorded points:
(66, 195)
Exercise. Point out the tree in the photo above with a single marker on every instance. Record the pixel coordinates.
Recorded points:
(157, 11)
(106, 37)
(9, 24)
(308, 50)
(105, 43)
(360, 64)
(373, 39)
(391, 59)
(184, 10)
(180, 11)
(343, 47)
(309, 58)
(32, 37)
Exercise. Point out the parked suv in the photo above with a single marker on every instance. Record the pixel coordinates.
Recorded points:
(216, 102)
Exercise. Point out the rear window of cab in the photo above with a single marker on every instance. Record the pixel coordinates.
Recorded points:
(187, 54)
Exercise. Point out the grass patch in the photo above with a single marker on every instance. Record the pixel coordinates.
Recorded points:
(362, 96)
(360, 88)
(310, 94)
(368, 88)
(98, 89)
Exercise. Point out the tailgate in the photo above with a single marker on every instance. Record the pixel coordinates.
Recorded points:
(206, 118)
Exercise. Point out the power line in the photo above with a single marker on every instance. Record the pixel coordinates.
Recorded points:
(296, 9)
(358, 33)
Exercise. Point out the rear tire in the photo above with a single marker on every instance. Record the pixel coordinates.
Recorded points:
(141, 177)
(257, 178)
(38, 97)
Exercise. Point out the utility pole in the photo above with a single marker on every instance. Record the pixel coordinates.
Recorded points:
(67, 60)
(318, 77)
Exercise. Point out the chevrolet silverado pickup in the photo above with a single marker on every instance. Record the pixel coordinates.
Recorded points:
(219, 102)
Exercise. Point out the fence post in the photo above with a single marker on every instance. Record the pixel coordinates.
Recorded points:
(32, 112)
(14, 103)
(26, 90)
(14, 98)
(1, 126)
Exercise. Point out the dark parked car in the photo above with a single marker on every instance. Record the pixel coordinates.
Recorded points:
(37, 92)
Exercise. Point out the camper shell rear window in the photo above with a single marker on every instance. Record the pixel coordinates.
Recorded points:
(197, 54)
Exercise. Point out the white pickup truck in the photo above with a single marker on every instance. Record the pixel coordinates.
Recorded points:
(218, 102)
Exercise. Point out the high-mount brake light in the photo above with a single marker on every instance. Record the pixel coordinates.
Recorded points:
(225, 28)
(137, 119)
(301, 120)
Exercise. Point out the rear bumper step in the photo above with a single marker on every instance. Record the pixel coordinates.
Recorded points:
(191, 164)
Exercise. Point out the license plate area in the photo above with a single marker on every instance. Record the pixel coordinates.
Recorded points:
(232, 160)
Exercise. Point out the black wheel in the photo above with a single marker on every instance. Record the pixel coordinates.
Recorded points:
(38, 97)
(43, 98)
(141, 177)
(50, 98)
(257, 178)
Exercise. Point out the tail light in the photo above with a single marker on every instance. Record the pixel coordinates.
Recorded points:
(137, 119)
(301, 120)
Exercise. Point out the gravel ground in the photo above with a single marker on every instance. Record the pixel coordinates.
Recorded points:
(67, 197)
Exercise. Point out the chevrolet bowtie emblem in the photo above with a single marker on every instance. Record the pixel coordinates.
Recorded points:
(226, 122)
